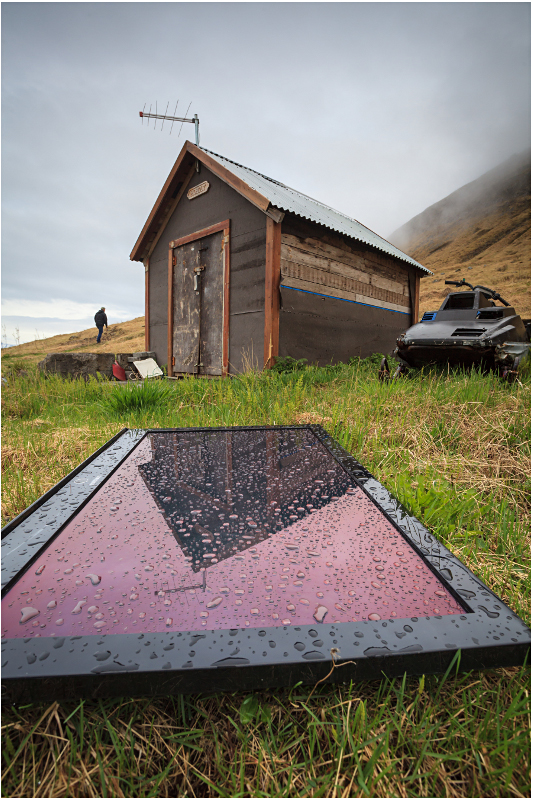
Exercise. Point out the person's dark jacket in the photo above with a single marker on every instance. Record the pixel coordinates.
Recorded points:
(100, 318)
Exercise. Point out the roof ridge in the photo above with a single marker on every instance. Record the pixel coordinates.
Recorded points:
(297, 191)
(242, 166)
(361, 233)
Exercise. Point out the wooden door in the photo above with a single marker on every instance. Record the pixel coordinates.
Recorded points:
(198, 303)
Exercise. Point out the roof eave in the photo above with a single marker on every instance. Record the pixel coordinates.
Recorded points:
(191, 152)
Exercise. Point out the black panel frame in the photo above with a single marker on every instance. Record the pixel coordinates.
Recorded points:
(488, 634)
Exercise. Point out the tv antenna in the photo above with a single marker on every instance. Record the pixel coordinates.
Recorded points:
(165, 117)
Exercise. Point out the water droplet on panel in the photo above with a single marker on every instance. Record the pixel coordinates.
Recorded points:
(320, 613)
(491, 614)
(307, 501)
(27, 614)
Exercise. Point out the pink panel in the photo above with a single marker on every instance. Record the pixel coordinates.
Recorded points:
(185, 534)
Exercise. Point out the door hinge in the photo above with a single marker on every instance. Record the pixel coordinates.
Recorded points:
(173, 260)
(173, 361)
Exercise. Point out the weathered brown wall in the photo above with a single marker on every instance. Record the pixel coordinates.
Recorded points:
(247, 262)
(312, 255)
(368, 295)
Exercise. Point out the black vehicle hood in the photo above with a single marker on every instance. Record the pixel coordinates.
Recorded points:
(466, 329)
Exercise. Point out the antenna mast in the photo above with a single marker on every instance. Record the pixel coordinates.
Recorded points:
(195, 120)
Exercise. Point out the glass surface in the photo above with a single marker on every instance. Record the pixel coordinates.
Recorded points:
(223, 529)
(459, 301)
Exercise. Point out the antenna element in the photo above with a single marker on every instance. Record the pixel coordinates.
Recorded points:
(195, 121)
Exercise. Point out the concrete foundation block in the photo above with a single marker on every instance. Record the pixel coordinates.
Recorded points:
(78, 365)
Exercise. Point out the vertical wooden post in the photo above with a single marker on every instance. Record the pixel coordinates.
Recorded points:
(147, 304)
(272, 281)
(170, 315)
(226, 300)
(415, 310)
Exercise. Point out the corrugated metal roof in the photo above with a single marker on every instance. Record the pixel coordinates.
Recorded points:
(289, 199)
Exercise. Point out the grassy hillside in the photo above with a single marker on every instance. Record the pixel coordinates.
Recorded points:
(123, 337)
(481, 232)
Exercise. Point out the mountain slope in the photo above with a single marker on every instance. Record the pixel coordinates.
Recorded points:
(122, 337)
(481, 232)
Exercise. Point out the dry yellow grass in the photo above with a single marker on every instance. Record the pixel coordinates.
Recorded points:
(395, 743)
(504, 265)
(481, 232)
(122, 337)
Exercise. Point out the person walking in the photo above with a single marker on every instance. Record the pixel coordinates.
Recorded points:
(100, 319)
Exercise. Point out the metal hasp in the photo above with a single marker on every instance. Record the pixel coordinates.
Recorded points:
(211, 559)
(468, 329)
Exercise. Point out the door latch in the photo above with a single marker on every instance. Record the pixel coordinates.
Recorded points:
(197, 271)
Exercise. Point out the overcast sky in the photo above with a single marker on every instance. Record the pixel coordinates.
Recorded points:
(377, 109)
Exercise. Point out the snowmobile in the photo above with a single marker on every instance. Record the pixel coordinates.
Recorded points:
(468, 329)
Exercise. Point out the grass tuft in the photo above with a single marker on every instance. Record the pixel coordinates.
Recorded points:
(138, 398)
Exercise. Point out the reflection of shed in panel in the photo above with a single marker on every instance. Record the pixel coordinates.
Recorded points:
(223, 494)
(240, 269)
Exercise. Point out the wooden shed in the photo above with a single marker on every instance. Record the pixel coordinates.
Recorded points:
(239, 268)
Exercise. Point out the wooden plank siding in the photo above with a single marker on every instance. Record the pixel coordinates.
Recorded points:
(342, 294)
(311, 263)
(340, 298)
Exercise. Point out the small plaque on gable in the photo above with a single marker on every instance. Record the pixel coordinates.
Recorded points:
(198, 190)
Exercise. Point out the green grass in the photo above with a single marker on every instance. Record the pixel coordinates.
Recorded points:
(454, 448)
(137, 398)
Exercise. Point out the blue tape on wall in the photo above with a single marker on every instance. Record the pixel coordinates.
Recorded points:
(355, 302)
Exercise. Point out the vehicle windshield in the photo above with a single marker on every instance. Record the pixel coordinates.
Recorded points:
(459, 300)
